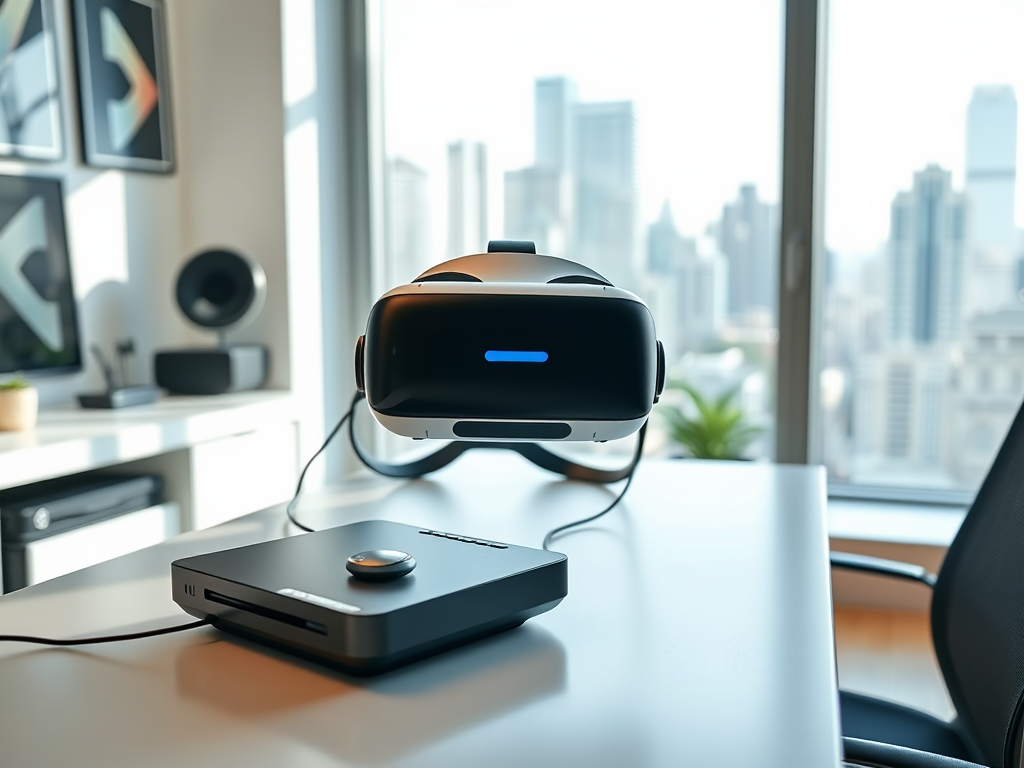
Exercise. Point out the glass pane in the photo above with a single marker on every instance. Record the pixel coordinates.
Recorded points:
(639, 138)
(923, 318)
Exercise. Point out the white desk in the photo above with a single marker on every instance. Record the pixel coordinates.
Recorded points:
(697, 631)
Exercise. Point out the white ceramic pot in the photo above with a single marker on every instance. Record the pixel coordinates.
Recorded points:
(18, 408)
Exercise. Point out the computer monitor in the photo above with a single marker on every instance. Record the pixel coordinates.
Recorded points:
(38, 323)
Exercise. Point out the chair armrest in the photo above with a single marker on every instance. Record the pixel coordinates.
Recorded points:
(882, 567)
(880, 755)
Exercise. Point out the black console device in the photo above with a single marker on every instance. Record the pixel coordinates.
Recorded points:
(49, 507)
(120, 397)
(310, 594)
(33, 515)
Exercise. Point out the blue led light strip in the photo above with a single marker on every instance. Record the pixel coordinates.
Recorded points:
(514, 356)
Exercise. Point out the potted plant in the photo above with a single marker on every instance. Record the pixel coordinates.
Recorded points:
(718, 431)
(19, 404)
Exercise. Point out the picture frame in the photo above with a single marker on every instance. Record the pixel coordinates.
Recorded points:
(124, 91)
(30, 113)
(39, 331)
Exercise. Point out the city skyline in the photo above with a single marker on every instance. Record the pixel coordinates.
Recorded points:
(929, 339)
(432, 97)
(917, 345)
(700, 136)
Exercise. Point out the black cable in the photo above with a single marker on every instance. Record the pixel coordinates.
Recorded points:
(550, 535)
(103, 638)
(442, 457)
(372, 464)
(202, 622)
(290, 509)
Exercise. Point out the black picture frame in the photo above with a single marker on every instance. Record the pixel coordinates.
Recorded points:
(30, 114)
(39, 331)
(124, 91)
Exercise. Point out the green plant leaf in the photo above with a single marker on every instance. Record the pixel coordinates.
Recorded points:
(719, 430)
(17, 381)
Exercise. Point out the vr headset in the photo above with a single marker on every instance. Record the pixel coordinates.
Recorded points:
(510, 345)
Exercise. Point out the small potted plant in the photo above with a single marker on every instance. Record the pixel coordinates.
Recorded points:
(717, 431)
(19, 404)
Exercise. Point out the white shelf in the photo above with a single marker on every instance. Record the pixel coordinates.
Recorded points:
(70, 440)
(220, 456)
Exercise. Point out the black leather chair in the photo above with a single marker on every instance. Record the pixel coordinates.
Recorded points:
(977, 619)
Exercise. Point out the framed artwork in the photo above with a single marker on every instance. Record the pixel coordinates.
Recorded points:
(29, 89)
(38, 322)
(124, 94)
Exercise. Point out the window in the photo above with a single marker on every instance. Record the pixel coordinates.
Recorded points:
(640, 138)
(921, 228)
(644, 140)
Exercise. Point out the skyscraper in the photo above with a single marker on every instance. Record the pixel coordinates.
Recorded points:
(664, 244)
(467, 198)
(989, 387)
(604, 230)
(538, 208)
(748, 236)
(554, 99)
(992, 167)
(694, 274)
(927, 241)
(408, 228)
(903, 413)
(538, 199)
(578, 199)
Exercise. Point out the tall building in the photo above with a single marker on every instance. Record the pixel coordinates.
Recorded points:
(605, 208)
(989, 387)
(748, 236)
(408, 229)
(900, 416)
(467, 198)
(578, 199)
(927, 242)
(992, 167)
(538, 208)
(703, 299)
(554, 102)
(538, 199)
(694, 273)
(664, 244)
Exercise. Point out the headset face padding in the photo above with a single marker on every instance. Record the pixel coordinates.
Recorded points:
(221, 288)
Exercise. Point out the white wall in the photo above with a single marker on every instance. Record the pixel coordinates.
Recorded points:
(231, 129)
(130, 232)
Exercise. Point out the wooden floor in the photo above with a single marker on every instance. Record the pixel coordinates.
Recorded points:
(889, 655)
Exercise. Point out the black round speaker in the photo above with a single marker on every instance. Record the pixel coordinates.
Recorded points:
(220, 288)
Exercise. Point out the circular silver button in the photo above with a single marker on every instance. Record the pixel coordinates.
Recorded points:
(41, 518)
(380, 564)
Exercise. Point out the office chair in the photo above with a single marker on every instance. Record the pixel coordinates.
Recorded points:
(977, 619)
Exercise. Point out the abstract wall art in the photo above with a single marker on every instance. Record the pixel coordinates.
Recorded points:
(123, 84)
(29, 87)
